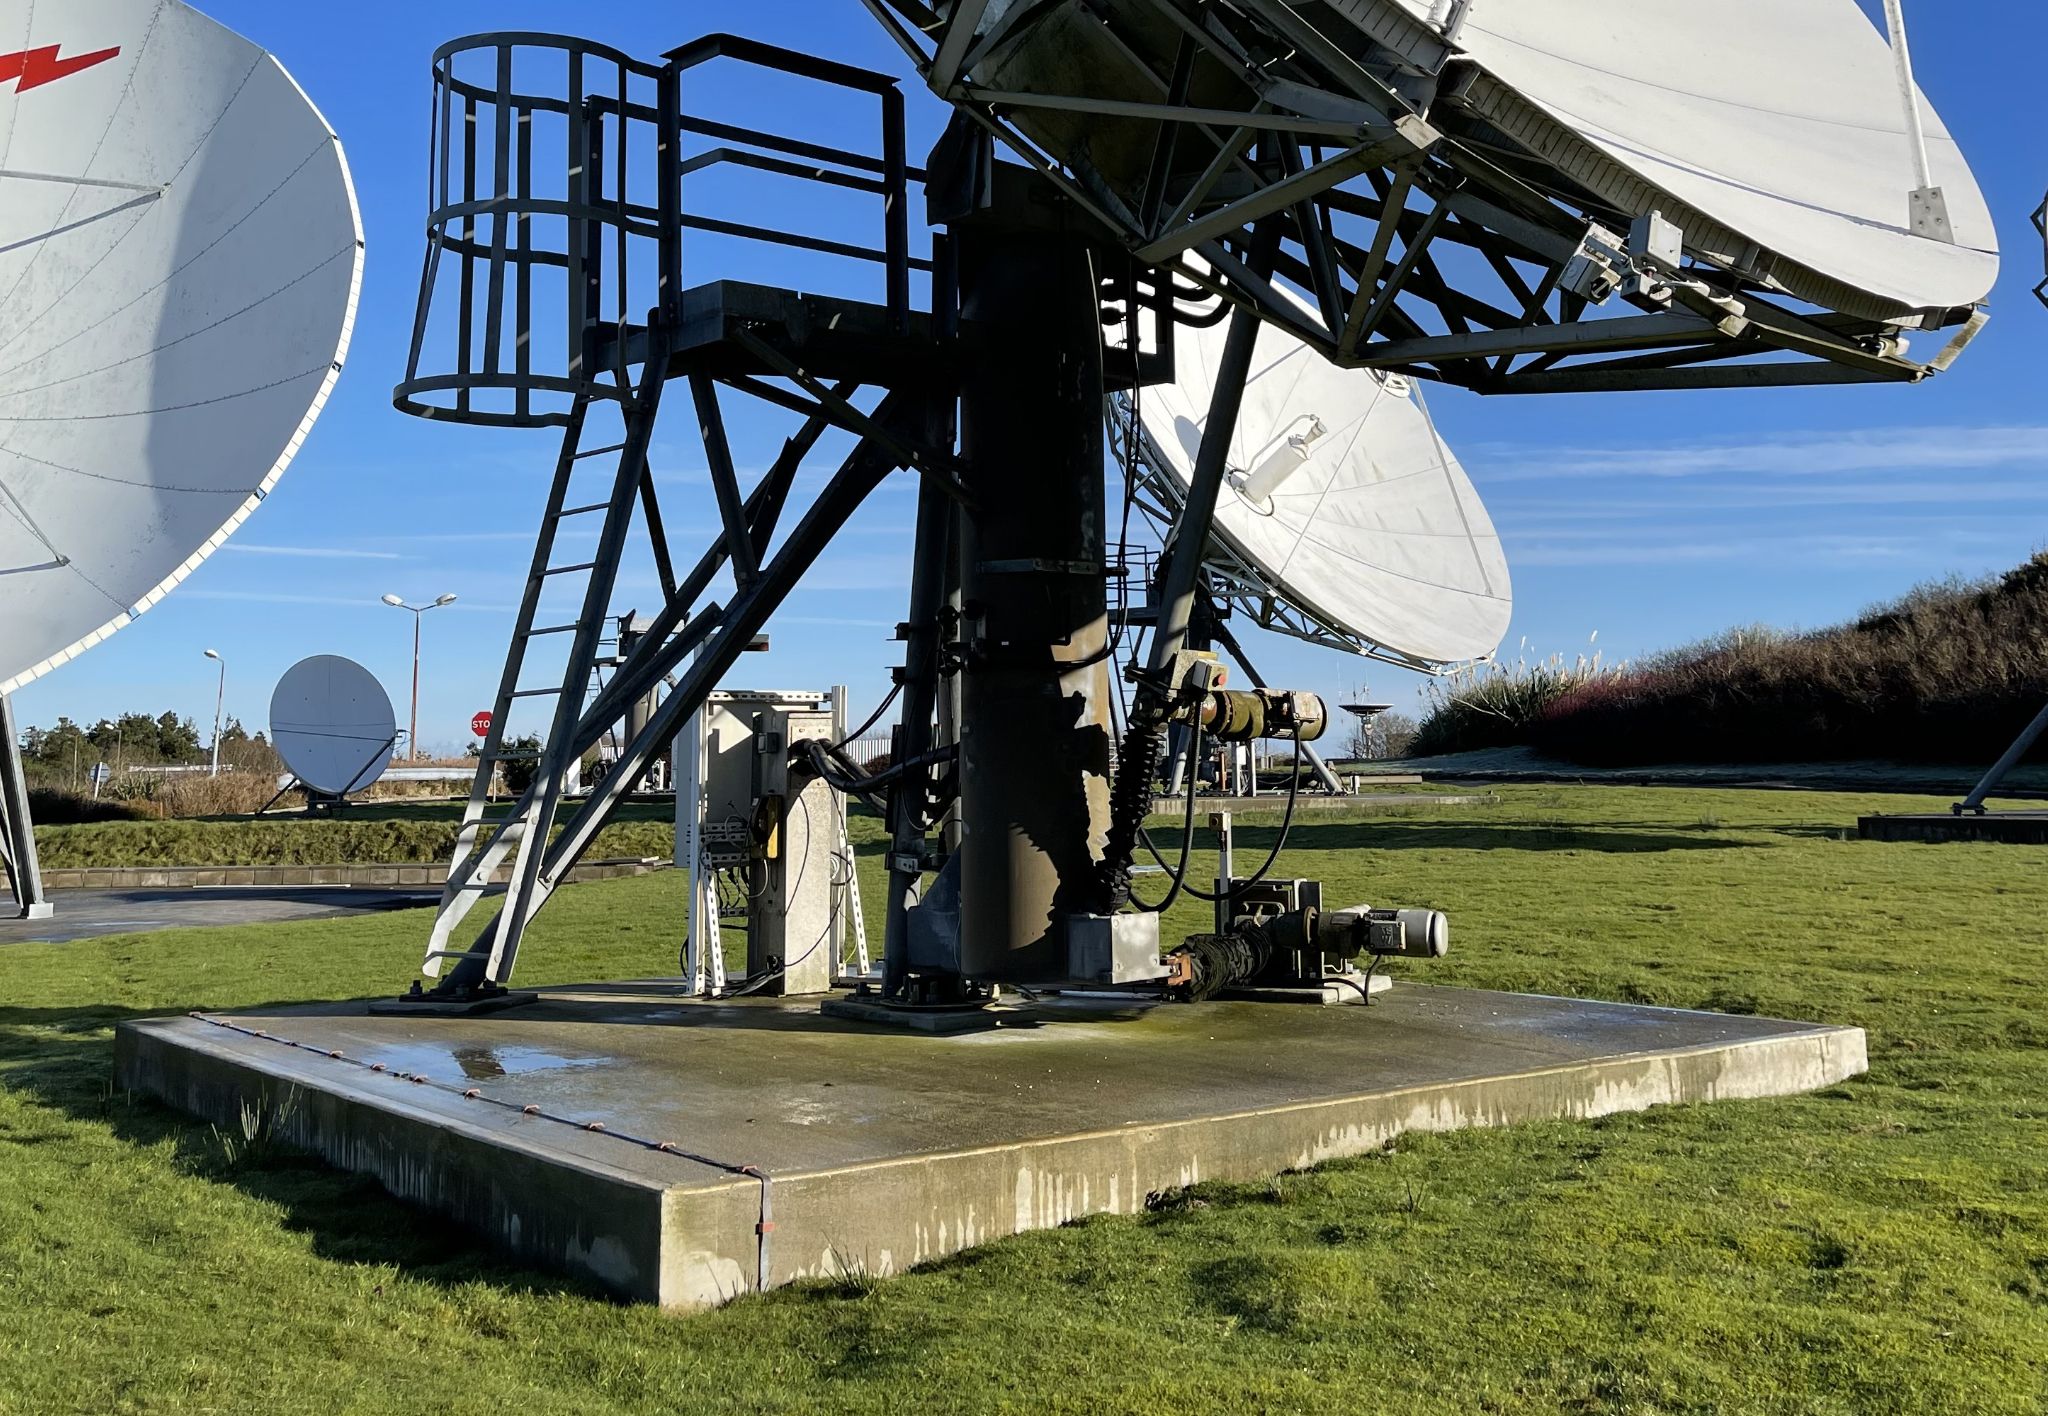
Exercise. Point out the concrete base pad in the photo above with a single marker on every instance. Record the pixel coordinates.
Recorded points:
(2027, 828)
(684, 1152)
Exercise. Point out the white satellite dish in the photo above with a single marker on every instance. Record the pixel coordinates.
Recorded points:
(1344, 519)
(1773, 134)
(180, 255)
(333, 724)
(1780, 122)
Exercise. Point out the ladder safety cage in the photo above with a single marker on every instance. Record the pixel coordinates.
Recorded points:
(539, 225)
(557, 217)
(554, 277)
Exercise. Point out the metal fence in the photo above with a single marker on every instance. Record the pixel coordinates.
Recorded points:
(867, 750)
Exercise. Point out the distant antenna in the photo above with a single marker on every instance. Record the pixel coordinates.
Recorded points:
(333, 724)
(179, 259)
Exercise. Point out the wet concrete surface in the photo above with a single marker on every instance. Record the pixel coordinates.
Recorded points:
(90, 914)
(770, 1082)
(625, 1132)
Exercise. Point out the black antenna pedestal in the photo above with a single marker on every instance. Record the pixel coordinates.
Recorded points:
(1035, 717)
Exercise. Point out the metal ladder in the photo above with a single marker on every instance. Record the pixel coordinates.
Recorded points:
(524, 828)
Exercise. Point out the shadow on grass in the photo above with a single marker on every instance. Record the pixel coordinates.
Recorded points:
(349, 1219)
(1399, 834)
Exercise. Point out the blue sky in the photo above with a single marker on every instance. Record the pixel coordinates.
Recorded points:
(1652, 519)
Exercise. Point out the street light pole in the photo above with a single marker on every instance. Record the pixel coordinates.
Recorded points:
(219, 697)
(413, 731)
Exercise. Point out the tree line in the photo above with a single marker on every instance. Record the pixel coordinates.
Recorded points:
(67, 752)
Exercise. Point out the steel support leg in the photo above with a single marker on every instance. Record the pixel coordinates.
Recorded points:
(17, 829)
(1182, 580)
(914, 733)
(949, 684)
(1974, 802)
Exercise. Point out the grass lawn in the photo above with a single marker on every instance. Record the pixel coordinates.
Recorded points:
(1881, 1247)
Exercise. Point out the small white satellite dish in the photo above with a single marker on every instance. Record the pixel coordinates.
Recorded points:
(180, 255)
(332, 723)
(1345, 519)
(1778, 123)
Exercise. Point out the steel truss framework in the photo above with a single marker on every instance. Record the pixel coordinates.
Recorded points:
(2041, 225)
(808, 354)
(1427, 241)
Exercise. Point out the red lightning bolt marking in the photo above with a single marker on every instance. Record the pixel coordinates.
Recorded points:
(36, 67)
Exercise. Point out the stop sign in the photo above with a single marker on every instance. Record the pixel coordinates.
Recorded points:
(481, 725)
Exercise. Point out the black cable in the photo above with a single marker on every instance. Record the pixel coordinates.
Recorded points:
(848, 779)
(1364, 989)
(1132, 432)
(852, 780)
(873, 718)
(1272, 859)
(1187, 835)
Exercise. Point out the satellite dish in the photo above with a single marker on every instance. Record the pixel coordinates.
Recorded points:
(332, 723)
(180, 254)
(1701, 159)
(1345, 519)
(1778, 121)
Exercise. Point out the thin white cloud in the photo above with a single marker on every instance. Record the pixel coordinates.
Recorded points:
(312, 552)
(1927, 450)
(1979, 502)
(841, 623)
(1568, 550)
(858, 572)
(350, 602)
(450, 537)
(265, 597)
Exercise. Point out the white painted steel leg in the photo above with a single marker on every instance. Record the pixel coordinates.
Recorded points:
(1926, 208)
(1909, 92)
(17, 830)
(712, 942)
(689, 759)
(844, 852)
(1453, 20)
(846, 909)
(846, 906)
